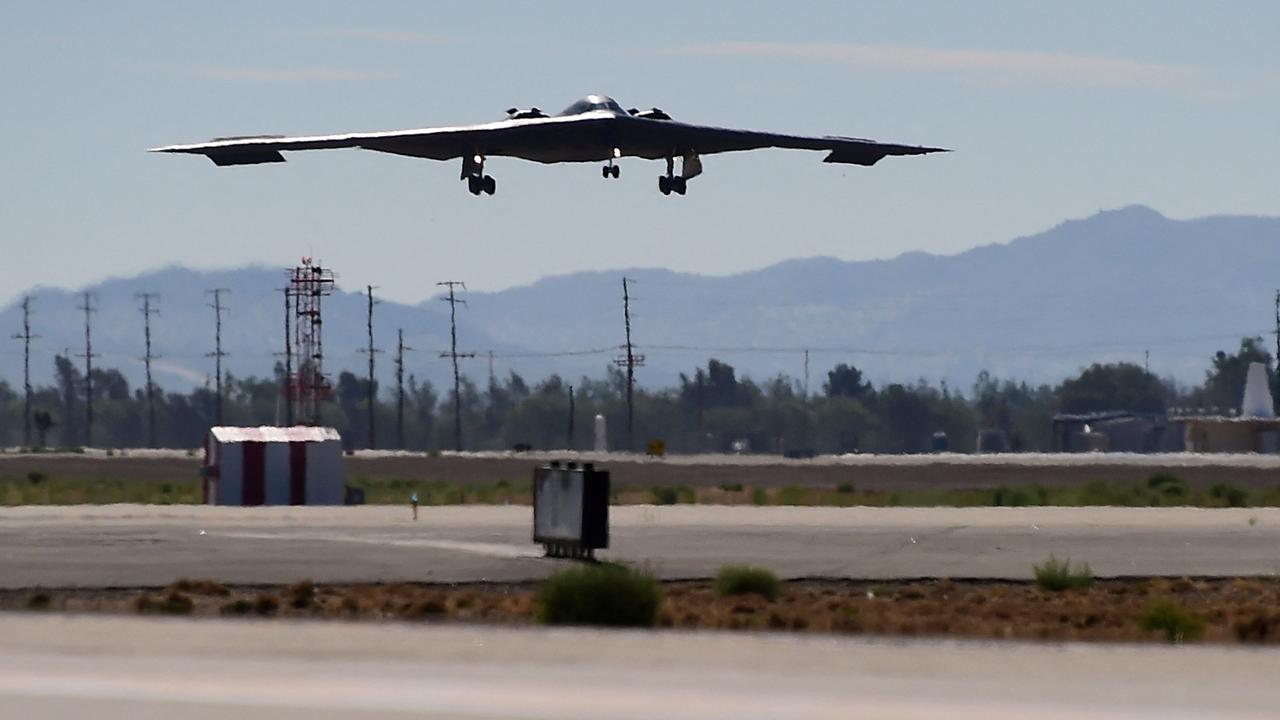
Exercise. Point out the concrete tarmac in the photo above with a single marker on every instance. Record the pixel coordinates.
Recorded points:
(130, 545)
(119, 667)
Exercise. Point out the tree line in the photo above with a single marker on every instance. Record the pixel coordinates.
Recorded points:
(710, 409)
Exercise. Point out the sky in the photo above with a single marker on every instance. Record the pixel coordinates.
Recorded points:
(1055, 110)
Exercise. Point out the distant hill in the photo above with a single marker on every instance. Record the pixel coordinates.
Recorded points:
(1108, 287)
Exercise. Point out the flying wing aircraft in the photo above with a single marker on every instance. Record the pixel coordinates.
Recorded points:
(593, 129)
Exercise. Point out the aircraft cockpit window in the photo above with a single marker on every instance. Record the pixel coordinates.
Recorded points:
(593, 102)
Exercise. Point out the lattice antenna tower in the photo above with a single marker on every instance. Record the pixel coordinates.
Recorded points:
(309, 284)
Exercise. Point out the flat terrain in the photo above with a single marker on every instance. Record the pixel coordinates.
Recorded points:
(136, 545)
(872, 472)
(1227, 610)
(116, 668)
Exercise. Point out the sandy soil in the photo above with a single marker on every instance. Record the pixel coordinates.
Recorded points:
(1233, 610)
(870, 472)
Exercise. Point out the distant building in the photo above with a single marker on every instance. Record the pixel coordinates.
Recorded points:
(1116, 431)
(1255, 430)
(273, 466)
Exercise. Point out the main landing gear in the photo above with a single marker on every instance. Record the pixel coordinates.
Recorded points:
(477, 181)
(690, 167)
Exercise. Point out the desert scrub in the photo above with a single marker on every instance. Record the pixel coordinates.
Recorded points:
(605, 594)
(1166, 615)
(171, 603)
(745, 579)
(1058, 575)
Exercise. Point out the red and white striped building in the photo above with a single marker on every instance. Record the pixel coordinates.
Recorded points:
(273, 466)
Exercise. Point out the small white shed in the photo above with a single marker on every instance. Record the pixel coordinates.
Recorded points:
(273, 466)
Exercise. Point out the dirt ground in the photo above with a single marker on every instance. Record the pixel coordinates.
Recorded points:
(485, 471)
(1230, 610)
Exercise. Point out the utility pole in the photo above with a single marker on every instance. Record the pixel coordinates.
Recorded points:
(217, 353)
(630, 361)
(288, 360)
(1146, 361)
(806, 374)
(400, 348)
(26, 337)
(147, 312)
(571, 414)
(492, 378)
(453, 353)
(87, 307)
(699, 377)
(1276, 391)
(372, 394)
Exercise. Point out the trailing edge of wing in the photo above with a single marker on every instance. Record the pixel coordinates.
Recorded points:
(868, 154)
(223, 158)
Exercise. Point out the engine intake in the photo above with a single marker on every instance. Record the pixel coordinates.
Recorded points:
(518, 114)
(650, 114)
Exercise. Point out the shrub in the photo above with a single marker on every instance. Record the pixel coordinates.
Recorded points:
(745, 579)
(845, 487)
(1164, 614)
(40, 601)
(171, 603)
(731, 487)
(759, 497)
(35, 477)
(663, 495)
(1232, 495)
(1011, 497)
(1163, 479)
(1058, 575)
(605, 594)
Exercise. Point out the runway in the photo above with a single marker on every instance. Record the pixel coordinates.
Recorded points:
(123, 545)
(75, 667)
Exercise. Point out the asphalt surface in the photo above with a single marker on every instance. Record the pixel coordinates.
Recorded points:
(130, 545)
(115, 668)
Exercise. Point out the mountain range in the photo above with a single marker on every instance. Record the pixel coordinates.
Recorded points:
(1126, 284)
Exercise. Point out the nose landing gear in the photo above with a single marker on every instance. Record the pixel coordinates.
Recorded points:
(611, 170)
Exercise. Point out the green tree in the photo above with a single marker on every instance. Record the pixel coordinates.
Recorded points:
(1114, 386)
(846, 381)
(1224, 381)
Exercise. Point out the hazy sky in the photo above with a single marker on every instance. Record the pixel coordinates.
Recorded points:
(1055, 110)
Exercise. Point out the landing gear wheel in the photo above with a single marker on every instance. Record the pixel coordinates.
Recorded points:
(678, 185)
(604, 171)
(615, 171)
(489, 185)
(474, 185)
(664, 184)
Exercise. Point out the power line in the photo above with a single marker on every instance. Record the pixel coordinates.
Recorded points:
(26, 337)
(453, 354)
(147, 312)
(217, 353)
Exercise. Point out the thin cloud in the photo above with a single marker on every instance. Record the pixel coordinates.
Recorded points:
(1057, 66)
(377, 35)
(282, 75)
